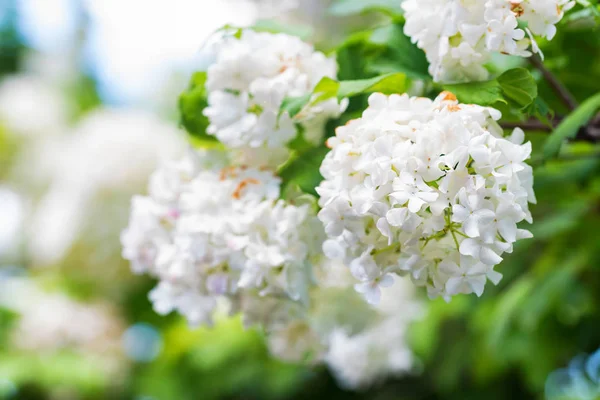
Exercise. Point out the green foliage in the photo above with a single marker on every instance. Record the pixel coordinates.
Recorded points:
(8, 150)
(328, 88)
(302, 169)
(349, 7)
(518, 86)
(11, 48)
(398, 53)
(387, 84)
(569, 127)
(540, 110)
(515, 87)
(215, 363)
(381, 50)
(582, 20)
(191, 104)
(293, 194)
(62, 368)
(486, 93)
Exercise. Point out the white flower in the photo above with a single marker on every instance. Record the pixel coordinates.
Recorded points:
(248, 81)
(503, 35)
(52, 321)
(29, 106)
(372, 289)
(467, 276)
(366, 346)
(459, 37)
(435, 191)
(198, 309)
(471, 211)
(209, 231)
(109, 151)
(361, 344)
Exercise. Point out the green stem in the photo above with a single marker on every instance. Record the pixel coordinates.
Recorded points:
(383, 250)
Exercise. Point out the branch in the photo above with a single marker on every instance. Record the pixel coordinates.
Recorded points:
(553, 81)
(529, 125)
(587, 133)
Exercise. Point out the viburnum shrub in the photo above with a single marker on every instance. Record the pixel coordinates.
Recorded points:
(325, 190)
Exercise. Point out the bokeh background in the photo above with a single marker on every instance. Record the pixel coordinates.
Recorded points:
(88, 96)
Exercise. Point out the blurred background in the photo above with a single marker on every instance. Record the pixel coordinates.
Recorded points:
(88, 96)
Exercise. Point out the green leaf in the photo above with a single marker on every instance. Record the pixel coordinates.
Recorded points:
(382, 50)
(519, 86)
(582, 20)
(569, 127)
(485, 93)
(399, 55)
(191, 104)
(386, 84)
(350, 7)
(328, 88)
(302, 169)
(515, 87)
(293, 105)
(294, 195)
(540, 110)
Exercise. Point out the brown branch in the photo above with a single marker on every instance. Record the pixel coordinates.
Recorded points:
(530, 125)
(554, 83)
(587, 133)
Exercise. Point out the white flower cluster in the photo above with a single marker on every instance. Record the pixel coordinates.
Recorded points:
(426, 188)
(247, 81)
(361, 344)
(210, 231)
(459, 37)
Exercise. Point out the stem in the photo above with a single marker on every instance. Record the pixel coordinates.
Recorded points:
(587, 133)
(553, 81)
(455, 240)
(532, 125)
(459, 233)
(393, 246)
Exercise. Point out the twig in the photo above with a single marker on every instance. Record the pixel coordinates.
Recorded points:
(532, 125)
(553, 81)
(587, 133)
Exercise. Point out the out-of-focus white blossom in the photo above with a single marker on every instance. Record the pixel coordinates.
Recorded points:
(361, 344)
(247, 81)
(425, 188)
(459, 37)
(30, 106)
(110, 151)
(12, 215)
(52, 321)
(208, 231)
